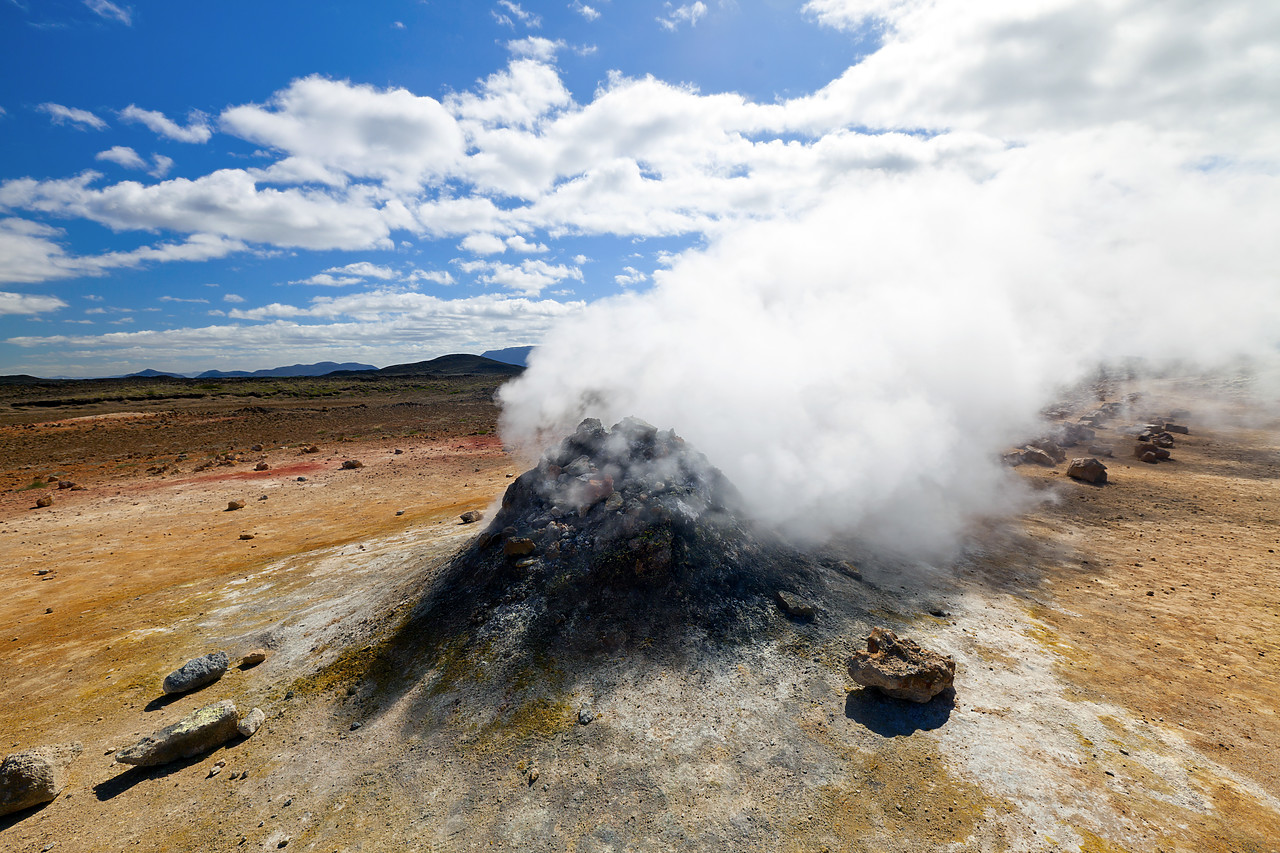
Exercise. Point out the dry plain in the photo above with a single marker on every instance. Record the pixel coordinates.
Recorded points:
(1116, 650)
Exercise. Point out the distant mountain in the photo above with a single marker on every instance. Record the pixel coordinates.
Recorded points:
(318, 369)
(149, 373)
(20, 379)
(510, 355)
(453, 365)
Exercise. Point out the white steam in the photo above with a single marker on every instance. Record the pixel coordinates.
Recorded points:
(858, 367)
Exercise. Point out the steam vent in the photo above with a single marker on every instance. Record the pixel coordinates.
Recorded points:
(621, 536)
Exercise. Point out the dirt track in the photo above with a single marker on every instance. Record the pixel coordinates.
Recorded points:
(1116, 691)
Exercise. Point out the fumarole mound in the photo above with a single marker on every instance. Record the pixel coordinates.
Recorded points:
(620, 535)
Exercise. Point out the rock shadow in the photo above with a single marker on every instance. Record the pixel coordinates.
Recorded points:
(167, 699)
(889, 717)
(117, 785)
(14, 818)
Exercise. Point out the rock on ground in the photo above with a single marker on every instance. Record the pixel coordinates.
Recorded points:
(1088, 469)
(35, 776)
(254, 657)
(471, 516)
(196, 673)
(352, 464)
(196, 733)
(794, 605)
(251, 722)
(901, 668)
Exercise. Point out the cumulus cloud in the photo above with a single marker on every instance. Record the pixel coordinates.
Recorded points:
(197, 129)
(160, 165)
(588, 12)
(333, 130)
(31, 252)
(630, 276)
(233, 298)
(70, 115)
(687, 14)
(27, 303)
(122, 155)
(530, 277)
(111, 11)
(535, 47)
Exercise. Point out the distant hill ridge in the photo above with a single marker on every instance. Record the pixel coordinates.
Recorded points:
(320, 368)
(510, 355)
(457, 364)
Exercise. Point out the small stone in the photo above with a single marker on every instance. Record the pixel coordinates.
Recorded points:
(232, 506)
(257, 448)
(41, 571)
(301, 479)
(311, 448)
(399, 513)
(245, 537)
(471, 516)
(254, 657)
(196, 673)
(399, 451)
(1100, 450)
(262, 466)
(250, 723)
(901, 668)
(35, 776)
(533, 775)
(196, 733)
(352, 464)
(216, 769)
(1178, 428)
(44, 501)
(262, 497)
(794, 605)
(586, 716)
(1036, 456)
(356, 725)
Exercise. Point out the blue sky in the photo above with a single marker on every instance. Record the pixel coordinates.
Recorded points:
(137, 92)
(244, 185)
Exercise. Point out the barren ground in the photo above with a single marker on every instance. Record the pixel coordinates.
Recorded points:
(1116, 650)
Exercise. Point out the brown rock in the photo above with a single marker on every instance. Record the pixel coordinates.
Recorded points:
(1100, 450)
(311, 448)
(245, 537)
(1051, 449)
(234, 505)
(1178, 428)
(901, 668)
(35, 776)
(261, 466)
(794, 605)
(254, 657)
(471, 516)
(1088, 469)
(517, 547)
(1036, 456)
(1157, 454)
(352, 464)
(44, 500)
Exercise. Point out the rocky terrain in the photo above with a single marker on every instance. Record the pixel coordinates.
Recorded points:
(610, 659)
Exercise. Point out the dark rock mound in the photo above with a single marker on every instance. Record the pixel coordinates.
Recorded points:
(618, 537)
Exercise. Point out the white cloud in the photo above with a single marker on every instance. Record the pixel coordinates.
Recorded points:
(333, 130)
(397, 25)
(526, 92)
(630, 276)
(326, 280)
(26, 303)
(529, 19)
(77, 117)
(364, 269)
(180, 299)
(483, 244)
(122, 155)
(678, 15)
(530, 277)
(434, 276)
(584, 10)
(226, 202)
(161, 166)
(29, 252)
(197, 129)
(379, 327)
(110, 11)
(233, 298)
(536, 47)
(518, 243)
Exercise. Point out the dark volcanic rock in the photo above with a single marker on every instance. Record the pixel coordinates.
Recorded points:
(196, 733)
(34, 776)
(196, 673)
(901, 668)
(617, 536)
